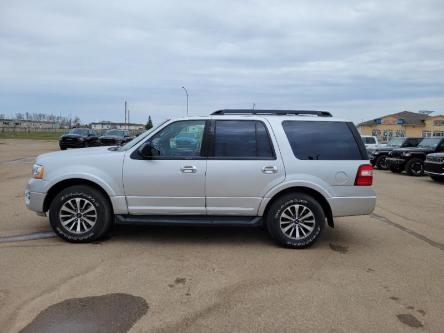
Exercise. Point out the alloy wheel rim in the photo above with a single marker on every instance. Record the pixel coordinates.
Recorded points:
(78, 215)
(297, 221)
(417, 168)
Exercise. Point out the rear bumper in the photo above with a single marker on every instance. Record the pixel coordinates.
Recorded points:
(351, 206)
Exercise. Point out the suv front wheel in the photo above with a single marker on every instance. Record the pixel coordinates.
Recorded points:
(295, 220)
(80, 214)
(415, 167)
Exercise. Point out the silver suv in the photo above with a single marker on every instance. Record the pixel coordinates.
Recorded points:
(291, 171)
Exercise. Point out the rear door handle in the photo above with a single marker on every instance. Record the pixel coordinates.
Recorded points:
(269, 169)
(188, 169)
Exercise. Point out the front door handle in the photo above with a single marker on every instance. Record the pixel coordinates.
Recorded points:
(188, 169)
(269, 169)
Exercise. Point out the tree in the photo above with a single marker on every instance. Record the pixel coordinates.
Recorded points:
(149, 123)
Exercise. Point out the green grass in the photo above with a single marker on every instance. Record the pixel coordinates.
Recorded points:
(31, 135)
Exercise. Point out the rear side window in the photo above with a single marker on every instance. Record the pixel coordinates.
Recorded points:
(242, 139)
(326, 140)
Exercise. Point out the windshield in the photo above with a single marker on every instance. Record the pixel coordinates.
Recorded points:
(429, 143)
(114, 132)
(79, 131)
(395, 142)
(369, 140)
(139, 138)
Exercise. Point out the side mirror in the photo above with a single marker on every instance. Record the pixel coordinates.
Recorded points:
(148, 151)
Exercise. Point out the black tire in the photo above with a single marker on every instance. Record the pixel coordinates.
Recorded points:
(415, 167)
(439, 179)
(395, 169)
(281, 206)
(87, 195)
(62, 148)
(381, 163)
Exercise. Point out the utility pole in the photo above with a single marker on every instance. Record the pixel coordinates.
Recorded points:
(125, 111)
(186, 92)
(127, 126)
(254, 105)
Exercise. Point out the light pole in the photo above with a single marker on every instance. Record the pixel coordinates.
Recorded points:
(186, 92)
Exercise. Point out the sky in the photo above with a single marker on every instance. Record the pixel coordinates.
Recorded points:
(357, 59)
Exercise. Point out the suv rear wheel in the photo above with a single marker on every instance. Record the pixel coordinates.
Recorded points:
(80, 214)
(295, 220)
(415, 167)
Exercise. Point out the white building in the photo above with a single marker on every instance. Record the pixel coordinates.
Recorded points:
(102, 125)
(22, 123)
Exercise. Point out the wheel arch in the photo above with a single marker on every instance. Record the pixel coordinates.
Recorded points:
(57, 187)
(307, 190)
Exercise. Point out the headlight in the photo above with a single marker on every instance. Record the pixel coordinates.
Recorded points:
(407, 154)
(81, 139)
(38, 171)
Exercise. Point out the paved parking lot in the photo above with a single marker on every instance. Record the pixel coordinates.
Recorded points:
(383, 272)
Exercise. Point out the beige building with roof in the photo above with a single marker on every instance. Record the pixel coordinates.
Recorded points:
(406, 123)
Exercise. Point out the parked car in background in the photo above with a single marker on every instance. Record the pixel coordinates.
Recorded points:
(292, 171)
(412, 159)
(115, 137)
(434, 166)
(378, 155)
(370, 141)
(79, 138)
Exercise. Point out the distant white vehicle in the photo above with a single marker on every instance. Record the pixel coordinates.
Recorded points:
(370, 141)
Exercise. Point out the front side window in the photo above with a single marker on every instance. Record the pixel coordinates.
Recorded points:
(322, 140)
(181, 139)
(242, 139)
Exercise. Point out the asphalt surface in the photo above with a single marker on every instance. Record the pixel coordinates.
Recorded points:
(383, 272)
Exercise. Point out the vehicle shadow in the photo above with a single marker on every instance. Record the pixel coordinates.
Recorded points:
(192, 234)
(208, 235)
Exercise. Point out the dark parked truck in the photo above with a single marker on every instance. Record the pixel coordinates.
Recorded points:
(378, 155)
(79, 138)
(412, 159)
(115, 137)
(434, 166)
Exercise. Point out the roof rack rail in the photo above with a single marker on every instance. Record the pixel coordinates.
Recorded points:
(272, 112)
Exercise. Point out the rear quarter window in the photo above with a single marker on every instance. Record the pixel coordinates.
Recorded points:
(326, 140)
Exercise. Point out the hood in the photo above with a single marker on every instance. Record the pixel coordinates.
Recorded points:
(436, 154)
(413, 149)
(386, 148)
(95, 152)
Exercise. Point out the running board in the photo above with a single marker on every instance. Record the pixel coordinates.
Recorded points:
(189, 220)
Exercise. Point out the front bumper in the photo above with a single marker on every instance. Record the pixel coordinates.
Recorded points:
(433, 168)
(35, 195)
(72, 144)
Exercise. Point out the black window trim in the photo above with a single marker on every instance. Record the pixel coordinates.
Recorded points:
(203, 149)
(211, 137)
(351, 127)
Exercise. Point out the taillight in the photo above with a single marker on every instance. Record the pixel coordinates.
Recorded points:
(365, 175)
